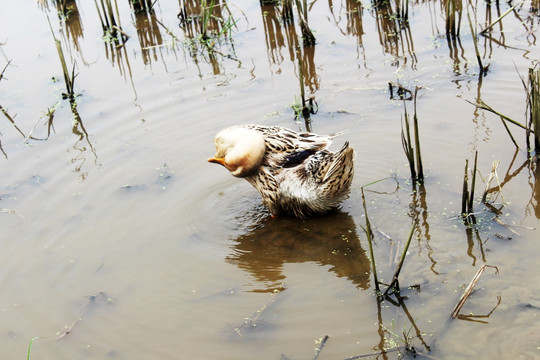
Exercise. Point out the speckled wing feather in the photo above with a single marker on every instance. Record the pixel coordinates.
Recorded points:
(286, 148)
(325, 165)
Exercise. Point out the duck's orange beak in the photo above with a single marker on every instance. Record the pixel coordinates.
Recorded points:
(220, 161)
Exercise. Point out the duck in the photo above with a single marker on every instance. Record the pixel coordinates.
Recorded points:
(294, 172)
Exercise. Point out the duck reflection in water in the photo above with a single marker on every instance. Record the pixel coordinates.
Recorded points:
(327, 240)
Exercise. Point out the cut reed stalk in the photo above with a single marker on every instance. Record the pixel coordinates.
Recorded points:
(420, 167)
(467, 197)
(369, 235)
(473, 183)
(534, 106)
(413, 154)
(69, 80)
(407, 147)
(465, 191)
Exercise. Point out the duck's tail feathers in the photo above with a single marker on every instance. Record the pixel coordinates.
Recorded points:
(342, 165)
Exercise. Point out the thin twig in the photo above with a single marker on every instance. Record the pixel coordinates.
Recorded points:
(319, 349)
(252, 321)
(482, 105)
(506, 226)
(11, 120)
(500, 18)
(401, 260)
(369, 235)
(493, 174)
(469, 289)
(4, 69)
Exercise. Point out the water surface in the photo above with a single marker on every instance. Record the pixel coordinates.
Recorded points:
(118, 239)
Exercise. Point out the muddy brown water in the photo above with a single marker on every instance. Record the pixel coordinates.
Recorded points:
(118, 240)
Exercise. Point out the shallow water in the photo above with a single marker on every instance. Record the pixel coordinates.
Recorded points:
(120, 241)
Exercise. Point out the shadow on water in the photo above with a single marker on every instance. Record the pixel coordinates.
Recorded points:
(330, 240)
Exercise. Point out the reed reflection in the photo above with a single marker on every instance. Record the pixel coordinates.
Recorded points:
(82, 145)
(72, 21)
(395, 33)
(419, 210)
(207, 26)
(118, 57)
(273, 33)
(329, 240)
(280, 32)
(197, 18)
(149, 35)
(354, 12)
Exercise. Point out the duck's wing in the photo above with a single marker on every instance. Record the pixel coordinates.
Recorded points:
(286, 148)
(332, 171)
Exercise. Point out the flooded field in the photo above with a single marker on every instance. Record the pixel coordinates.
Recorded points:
(120, 241)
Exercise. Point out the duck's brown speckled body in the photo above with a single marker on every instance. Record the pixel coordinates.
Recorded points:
(294, 172)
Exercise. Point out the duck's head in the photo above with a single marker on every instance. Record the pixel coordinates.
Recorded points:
(239, 150)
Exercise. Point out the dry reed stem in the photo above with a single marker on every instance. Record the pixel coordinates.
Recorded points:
(407, 147)
(470, 288)
(534, 104)
(252, 321)
(11, 120)
(492, 175)
(420, 167)
(4, 70)
(91, 300)
(482, 105)
(483, 32)
(506, 226)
